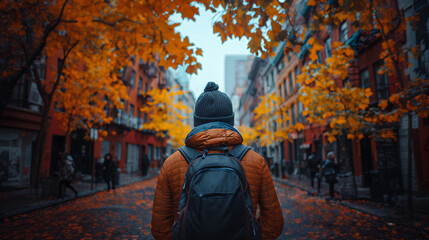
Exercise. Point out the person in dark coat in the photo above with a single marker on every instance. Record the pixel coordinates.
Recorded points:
(330, 171)
(110, 169)
(67, 171)
(313, 168)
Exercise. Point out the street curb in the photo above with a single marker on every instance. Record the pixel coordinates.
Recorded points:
(351, 206)
(56, 202)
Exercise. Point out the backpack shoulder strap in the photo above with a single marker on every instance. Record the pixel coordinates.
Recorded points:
(189, 153)
(238, 151)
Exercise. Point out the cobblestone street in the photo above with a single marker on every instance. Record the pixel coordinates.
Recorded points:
(126, 214)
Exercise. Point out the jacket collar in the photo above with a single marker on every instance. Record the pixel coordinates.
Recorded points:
(213, 134)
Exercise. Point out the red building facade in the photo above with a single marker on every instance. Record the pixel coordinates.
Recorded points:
(373, 160)
(20, 124)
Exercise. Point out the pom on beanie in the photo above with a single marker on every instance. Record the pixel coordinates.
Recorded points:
(211, 86)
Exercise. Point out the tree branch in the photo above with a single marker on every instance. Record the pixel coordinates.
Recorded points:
(60, 69)
(14, 79)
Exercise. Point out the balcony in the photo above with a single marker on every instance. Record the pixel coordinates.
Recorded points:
(126, 120)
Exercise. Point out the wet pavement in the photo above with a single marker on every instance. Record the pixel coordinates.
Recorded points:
(126, 213)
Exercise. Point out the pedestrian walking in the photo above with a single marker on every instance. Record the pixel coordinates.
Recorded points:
(67, 172)
(313, 167)
(215, 200)
(110, 170)
(330, 171)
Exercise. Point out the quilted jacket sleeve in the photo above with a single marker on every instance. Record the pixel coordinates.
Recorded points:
(162, 212)
(271, 217)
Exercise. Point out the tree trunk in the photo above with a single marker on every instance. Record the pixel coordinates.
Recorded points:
(349, 167)
(29, 62)
(352, 169)
(40, 146)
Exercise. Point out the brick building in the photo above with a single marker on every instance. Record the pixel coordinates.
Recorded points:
(21, 120)
(382, 162)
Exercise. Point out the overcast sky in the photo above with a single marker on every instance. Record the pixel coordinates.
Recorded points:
(201, 34)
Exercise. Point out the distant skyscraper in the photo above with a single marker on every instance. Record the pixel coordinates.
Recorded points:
(237, 68)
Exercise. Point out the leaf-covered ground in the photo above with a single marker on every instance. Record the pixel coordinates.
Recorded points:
(125, 214)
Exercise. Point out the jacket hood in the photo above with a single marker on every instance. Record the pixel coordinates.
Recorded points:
(213, 134)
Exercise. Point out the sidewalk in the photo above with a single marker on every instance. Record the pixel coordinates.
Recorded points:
(364, 204)
(21, 201)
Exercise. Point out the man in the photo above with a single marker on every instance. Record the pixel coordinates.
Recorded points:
(213, 127)
(110, 171)
(66, 174)
(330, 170)
(312, 165)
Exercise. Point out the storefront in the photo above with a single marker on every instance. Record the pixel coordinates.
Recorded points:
(16, 148)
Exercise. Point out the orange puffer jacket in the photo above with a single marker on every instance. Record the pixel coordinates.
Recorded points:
(172, 177)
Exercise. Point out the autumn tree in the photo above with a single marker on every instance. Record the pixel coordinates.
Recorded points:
(271, 120)
(330, 100)
(249, 134)
(92, 40)
(267, 23)
(167, 115)
(86, 104)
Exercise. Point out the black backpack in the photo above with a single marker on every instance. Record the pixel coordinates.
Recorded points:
(215, 202)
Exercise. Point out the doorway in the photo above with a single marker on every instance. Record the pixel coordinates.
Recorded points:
(58, 146)
(367, 162)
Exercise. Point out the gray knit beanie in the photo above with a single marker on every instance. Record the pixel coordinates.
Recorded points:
(213, 106)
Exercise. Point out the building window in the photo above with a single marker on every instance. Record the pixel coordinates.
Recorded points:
(145, 88)
(16, 147)
(105, 148)
(287, 121)
(296, 77)
(364, 78)
(382, 81)
(328, 50)
(131, 110)
(20, 93)
(140, 85)
(285, 88)
(280, 91)
(144, 118)
(283, 121)
(118, 151)
(300, 108)
(133, 79)
(290, 83)
(150, 152)
(280, 65)
(157, 153)
(292, 109)
(139, 120)
(133, 154)
(344, 32)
